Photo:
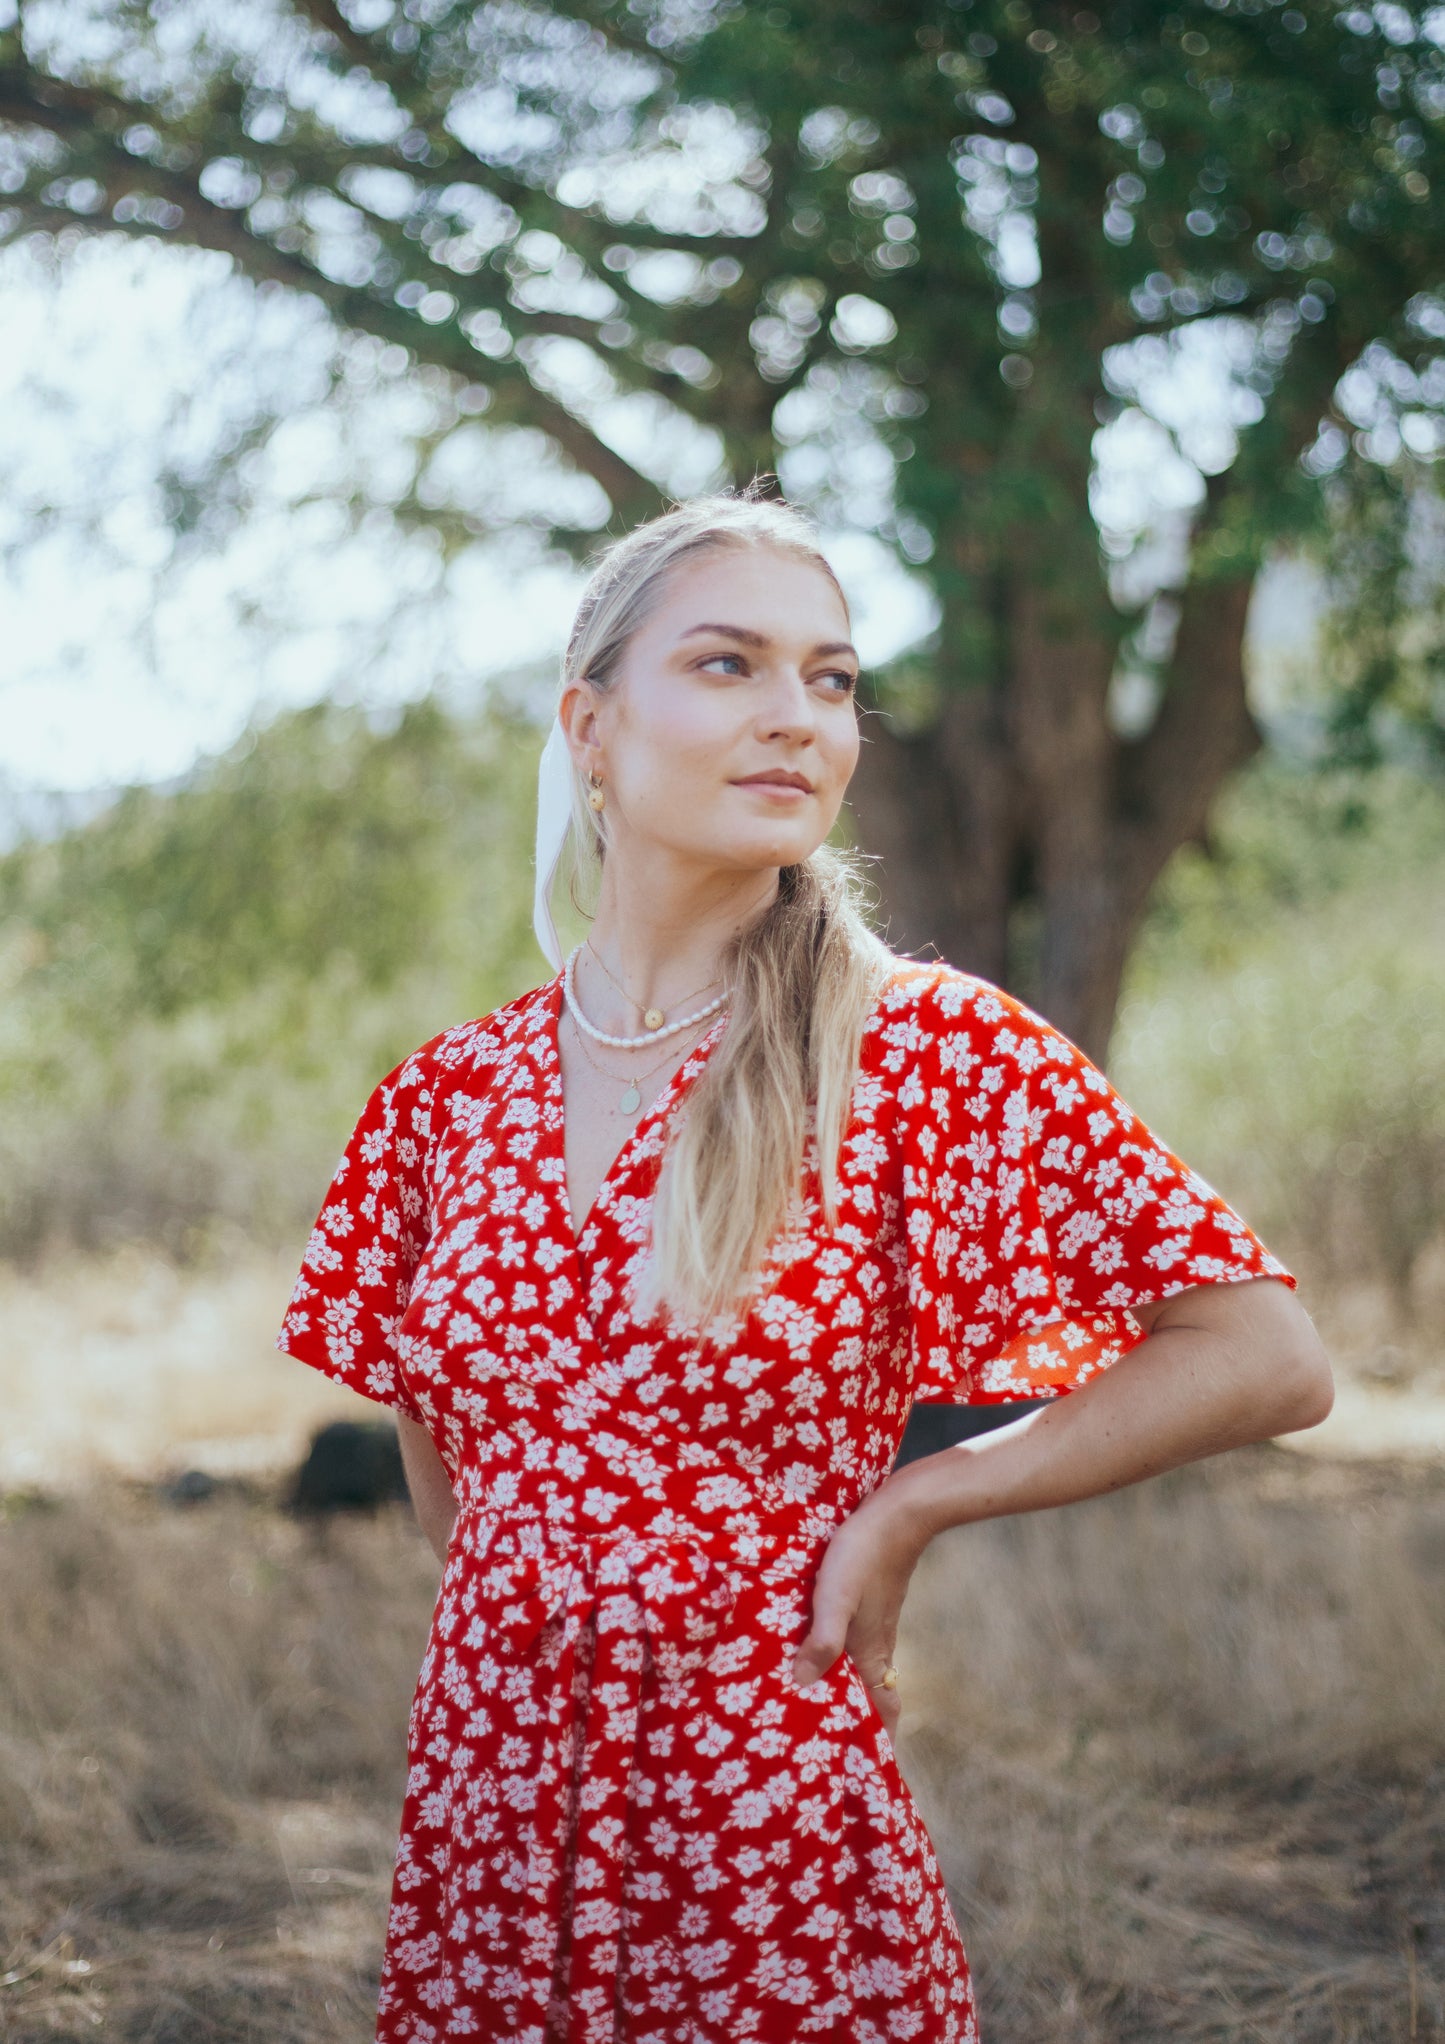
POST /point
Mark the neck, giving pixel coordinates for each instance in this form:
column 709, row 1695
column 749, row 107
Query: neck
column 662, row 934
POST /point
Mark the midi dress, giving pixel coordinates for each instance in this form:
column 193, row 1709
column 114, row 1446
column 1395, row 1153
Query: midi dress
column 624, row 1821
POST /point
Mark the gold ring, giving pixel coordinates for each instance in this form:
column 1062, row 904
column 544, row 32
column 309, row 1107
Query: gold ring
column 888, row 1679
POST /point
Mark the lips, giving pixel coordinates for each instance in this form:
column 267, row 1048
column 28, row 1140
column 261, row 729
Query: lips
column 777, row 780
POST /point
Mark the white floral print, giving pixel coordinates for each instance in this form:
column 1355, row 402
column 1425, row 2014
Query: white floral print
column 624, row 1823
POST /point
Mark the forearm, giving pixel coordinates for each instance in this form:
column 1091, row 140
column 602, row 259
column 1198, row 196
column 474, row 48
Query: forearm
column 1185, row 1392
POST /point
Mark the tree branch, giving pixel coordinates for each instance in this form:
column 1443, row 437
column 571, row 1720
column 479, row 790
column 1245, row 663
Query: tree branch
column 207, row 225
column 331, row 21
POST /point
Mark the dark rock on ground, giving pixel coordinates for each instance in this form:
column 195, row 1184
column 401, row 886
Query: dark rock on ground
column 351, row 1466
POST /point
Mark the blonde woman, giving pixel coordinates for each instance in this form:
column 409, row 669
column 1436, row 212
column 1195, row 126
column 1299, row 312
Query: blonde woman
column 650, row 1263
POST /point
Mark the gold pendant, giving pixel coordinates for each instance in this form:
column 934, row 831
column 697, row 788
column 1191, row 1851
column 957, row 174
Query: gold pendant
column 631, row 1099
column 654, row 1018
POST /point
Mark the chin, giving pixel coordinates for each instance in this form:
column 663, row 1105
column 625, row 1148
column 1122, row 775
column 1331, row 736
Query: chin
column 779, row 852
column 750, row 852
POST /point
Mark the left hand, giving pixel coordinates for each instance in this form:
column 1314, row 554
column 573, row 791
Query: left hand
column 858, row 1595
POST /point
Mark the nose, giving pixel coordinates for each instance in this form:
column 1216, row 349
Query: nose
column 788, row 710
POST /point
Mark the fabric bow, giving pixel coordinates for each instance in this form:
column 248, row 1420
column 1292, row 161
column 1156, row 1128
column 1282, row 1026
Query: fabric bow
column 673, row 1593
column 667, row 1598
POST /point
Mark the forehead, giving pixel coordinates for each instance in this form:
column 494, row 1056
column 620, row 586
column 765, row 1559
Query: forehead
column 761, row 588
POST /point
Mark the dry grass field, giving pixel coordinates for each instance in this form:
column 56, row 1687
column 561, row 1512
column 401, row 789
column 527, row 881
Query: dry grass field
column 130, row 1365
column 1182, row 1751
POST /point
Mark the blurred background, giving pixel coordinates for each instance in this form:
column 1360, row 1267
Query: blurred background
column 1108, row 348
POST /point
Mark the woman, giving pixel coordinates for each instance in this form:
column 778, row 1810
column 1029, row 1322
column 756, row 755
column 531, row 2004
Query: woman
column 650, row 1264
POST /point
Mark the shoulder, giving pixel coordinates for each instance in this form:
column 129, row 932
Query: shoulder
column 458, row 1054
column 929, row 1007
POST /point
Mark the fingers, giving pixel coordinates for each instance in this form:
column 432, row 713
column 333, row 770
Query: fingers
column 833, row 1609
column 887, row 1702
column 817, row 1653
column 855, row 1609
column 890, row 1707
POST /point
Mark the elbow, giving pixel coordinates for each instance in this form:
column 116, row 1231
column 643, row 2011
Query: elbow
column 1308, row 1387
column 1320, row 1400
column 1289, row 1359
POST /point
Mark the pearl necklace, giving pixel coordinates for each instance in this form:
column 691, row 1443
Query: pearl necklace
column 652, row 1018
column 629, row 1042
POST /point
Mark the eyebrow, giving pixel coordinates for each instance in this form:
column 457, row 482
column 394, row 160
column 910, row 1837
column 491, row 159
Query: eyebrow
column 746, row 637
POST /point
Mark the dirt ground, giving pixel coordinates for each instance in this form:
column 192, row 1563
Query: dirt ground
column 1182, row 1752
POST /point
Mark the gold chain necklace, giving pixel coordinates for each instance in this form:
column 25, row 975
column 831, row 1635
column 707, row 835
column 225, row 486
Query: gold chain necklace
column 632, row 1098
column 652, row 1018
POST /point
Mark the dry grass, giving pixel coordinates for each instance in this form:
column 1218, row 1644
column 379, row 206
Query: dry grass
column 201, row 1724
column 127, row 1365
column 1183, row 1753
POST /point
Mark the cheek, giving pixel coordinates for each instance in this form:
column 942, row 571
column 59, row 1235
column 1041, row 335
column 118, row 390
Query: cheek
column 841, row 748
column 682, row 748
column 676, row 772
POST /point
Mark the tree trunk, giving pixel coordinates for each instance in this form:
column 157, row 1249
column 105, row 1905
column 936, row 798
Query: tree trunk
column 1020, row 838
column 937, row 808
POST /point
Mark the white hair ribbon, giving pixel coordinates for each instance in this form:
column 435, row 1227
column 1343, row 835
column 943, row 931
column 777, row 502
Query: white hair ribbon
column 554, row 816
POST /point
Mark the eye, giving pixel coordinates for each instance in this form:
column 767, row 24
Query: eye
column 846, row 679
column 739, row 663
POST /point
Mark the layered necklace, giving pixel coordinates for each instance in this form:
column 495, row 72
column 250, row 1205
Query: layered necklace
column 632, row 1098
column 657, row 1023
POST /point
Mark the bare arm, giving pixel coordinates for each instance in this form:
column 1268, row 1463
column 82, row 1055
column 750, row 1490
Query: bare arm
column 428, row 1482
column 1221, row 1365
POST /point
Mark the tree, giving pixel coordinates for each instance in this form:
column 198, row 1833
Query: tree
column 918, row 259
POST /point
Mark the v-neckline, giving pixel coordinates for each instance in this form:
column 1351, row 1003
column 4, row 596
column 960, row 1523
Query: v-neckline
column 655, row 1111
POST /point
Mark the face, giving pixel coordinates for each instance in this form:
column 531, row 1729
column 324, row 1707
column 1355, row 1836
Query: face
column 730, row 734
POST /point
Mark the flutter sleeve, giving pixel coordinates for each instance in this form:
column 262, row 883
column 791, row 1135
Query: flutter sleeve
column 356, row 1275
column 1038, row 1206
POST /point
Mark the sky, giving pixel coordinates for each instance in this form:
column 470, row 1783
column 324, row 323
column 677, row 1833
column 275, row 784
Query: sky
column 127, row 652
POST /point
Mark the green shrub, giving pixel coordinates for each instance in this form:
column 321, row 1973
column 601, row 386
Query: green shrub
column 1284, row 1026
column 202, row 986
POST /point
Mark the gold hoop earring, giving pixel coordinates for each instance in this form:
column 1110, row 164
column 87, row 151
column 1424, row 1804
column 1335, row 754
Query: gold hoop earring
column 594, row 793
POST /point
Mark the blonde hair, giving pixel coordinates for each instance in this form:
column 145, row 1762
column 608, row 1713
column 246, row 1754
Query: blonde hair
column 803, row 975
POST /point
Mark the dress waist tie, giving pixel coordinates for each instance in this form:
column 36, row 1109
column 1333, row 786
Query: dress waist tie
column 626, row 1600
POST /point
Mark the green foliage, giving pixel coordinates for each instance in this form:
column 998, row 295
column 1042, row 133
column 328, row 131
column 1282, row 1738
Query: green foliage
column 1284, row 1026
column 1289, row 844
column 307, row 840
column 1384, row 639
column 911, row 255
column 203, row 986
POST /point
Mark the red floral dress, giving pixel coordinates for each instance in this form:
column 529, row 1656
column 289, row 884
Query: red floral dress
column 624, row 1822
